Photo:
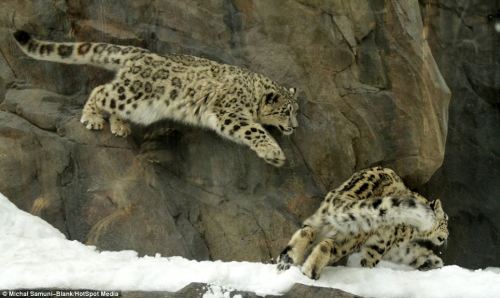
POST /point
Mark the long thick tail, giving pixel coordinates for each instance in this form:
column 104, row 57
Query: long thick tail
column 103, row 55
column 370, row 214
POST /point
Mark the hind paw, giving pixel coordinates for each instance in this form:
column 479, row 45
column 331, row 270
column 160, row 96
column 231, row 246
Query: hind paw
column 119, row 127
column 311, row 271
column 92, row 121
column 284, row 260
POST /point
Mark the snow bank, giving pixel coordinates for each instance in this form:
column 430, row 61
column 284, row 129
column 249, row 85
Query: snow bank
column 36, row 255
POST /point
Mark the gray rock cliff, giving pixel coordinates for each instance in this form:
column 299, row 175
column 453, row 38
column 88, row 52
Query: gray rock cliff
column 467, row 50
column 370, row 94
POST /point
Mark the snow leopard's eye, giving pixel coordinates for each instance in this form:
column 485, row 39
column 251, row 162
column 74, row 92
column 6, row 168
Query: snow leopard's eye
column 272, row 98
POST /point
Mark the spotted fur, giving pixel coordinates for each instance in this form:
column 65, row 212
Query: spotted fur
column 230, row 100
column 374, row 213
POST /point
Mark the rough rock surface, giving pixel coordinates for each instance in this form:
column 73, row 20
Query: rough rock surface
column 467, row 50
column 191, row 290
column 370, row 93
column 198, row 290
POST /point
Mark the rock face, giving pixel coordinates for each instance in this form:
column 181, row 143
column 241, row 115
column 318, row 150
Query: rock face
column 200, row 290
column 467, row 50
column 370, row 93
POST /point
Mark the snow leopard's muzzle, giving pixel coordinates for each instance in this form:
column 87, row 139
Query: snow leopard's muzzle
column 290, row 127
column 286, row 130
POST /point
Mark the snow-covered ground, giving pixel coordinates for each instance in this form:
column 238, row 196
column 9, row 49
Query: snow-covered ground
column 33, row 254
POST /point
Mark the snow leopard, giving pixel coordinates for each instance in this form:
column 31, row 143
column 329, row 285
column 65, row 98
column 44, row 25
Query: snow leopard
column 230, row 100
column 374, row 213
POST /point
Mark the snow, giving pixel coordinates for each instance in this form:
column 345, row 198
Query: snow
column 36, row 255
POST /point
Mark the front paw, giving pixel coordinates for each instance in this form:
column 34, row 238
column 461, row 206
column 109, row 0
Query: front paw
column 433, row 262
column 274, row 156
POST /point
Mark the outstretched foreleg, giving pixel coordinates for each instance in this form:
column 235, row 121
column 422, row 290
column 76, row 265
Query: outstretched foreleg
column 253, row 135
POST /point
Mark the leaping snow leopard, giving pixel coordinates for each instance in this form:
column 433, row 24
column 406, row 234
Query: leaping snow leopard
column 232, row 101
column 373, row 213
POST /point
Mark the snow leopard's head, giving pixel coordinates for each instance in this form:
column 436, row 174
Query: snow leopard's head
column 279, row 108
column 439, row 234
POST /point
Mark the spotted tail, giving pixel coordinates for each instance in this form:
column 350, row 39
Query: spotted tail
column 104, row 55
column 373, row 213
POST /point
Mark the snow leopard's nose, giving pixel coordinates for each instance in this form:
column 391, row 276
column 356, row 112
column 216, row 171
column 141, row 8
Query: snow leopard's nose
column 442, row 243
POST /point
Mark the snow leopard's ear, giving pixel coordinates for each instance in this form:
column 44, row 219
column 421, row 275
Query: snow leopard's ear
column 436, row 205
column 293, row 91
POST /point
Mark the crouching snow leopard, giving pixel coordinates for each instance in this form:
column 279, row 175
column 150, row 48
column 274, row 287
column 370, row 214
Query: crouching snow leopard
column 230, row 100
column 373, row 213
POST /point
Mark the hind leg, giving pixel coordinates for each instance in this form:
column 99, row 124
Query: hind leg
column 297, row 247
column 376, row 246
column 324, row 252
column 92, row 116
column 327, row 252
